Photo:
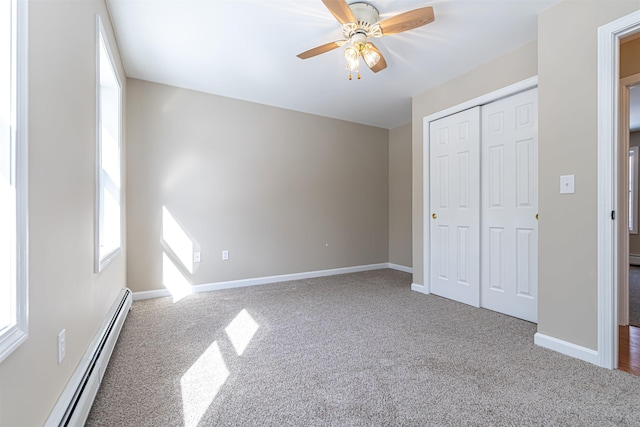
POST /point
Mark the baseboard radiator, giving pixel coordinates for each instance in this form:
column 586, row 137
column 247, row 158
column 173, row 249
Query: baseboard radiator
column 75, row 402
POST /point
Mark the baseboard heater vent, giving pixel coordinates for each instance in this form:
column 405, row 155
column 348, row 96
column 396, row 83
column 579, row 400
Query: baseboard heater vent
column 75, row 402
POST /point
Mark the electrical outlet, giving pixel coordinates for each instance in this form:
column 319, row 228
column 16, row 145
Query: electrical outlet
column 62, row 345
column 225, row 255
column 196, row 257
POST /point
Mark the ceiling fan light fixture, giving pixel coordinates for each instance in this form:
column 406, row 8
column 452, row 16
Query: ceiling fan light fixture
column 351, row 54
column 353, row 67
column 370, row 56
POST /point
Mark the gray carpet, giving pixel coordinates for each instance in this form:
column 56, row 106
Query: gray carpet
column 351, row 350
column 634, row 296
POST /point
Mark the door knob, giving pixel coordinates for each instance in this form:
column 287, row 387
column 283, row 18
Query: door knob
column 536, row 217
column 434, row 216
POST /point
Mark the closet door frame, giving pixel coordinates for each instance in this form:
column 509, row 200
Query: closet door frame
column 513, row 89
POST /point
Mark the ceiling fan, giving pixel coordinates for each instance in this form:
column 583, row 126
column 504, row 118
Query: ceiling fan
column 359, row 24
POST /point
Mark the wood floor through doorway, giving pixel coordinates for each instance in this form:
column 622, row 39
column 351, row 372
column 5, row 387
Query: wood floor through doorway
column 629, row 351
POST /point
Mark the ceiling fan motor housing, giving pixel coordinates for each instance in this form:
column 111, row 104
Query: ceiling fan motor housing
column 364, row 13
column 366, row 20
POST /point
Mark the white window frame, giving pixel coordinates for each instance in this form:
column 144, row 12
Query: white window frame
column 16, row 332
column 633, row 190
column 102, row 260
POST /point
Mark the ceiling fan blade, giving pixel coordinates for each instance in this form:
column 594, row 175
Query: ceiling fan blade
column 381, row 64
column 407, row 21
column 320, row 49
column 341, row 10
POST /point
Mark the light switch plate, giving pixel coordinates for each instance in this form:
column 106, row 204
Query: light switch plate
column 567, row 184
column 196, row 257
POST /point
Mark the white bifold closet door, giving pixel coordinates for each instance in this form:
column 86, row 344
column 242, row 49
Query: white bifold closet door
column 454, row 172
column 509, row 236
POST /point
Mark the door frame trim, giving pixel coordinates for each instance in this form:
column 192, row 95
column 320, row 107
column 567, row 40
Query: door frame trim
column 609, row 36
column 504, row 92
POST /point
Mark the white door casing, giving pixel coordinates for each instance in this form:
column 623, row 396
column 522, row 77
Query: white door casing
column 455, row 203
column 509, row 205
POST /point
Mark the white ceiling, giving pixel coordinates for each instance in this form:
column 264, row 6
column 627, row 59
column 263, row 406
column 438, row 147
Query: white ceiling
column 246, row 49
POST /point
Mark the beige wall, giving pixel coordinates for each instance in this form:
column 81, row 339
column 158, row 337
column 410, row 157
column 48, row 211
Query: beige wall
column 284, row 192
column 634, row 239
column 64, row 293
column 400, row 196
column 508, row 69
column 630, row 57
column 567, row 69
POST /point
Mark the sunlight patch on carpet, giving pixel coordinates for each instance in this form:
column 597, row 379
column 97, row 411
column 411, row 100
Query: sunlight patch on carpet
column 201, row 383
column 240, row 331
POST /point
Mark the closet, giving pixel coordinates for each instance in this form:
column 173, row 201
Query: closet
column 483, row 196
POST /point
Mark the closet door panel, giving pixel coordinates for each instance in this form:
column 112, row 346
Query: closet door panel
column 454, row 174
column 510, row 205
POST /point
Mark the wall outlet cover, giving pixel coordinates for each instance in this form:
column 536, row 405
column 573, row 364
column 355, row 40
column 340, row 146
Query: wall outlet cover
column 567, row 184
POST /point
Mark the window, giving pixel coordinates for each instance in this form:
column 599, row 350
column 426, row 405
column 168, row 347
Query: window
column 633, row 190
column 13, row 174
column 108, row 194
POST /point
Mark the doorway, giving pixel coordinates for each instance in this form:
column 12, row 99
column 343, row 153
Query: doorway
column 629, row 286
column 609, row 235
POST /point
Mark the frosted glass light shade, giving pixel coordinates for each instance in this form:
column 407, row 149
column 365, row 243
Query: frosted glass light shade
column 352, row 55
column 370, row 56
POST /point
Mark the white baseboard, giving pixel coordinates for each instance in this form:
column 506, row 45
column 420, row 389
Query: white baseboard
column 73, row 405
column 206, row 287
column 158, row 293
column 634, row 259
column 420, row 288
column 401, row 268
column 567, row 348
